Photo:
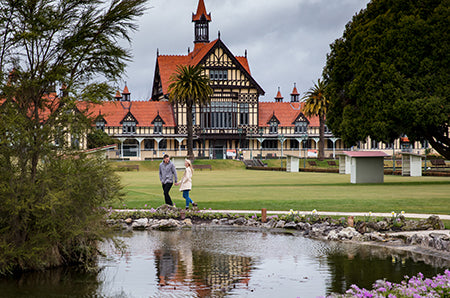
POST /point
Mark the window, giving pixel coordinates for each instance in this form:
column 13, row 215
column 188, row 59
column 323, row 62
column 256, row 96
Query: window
column 193, row 115
column 327, row 130
column 301, row 127
column 218, row 74
column 163, row 144
column 100, row 125
column 157, row 129
column 149, row 144
column 270, row 144
column 273, row 129
column 243, row 114
column 294, row 144
column 219, row 115
column 129, row 127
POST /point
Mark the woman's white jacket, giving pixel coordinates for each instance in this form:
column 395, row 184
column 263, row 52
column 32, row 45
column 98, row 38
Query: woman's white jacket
column 186, row 180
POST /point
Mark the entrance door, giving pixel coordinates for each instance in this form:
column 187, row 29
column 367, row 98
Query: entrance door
column 219, row 146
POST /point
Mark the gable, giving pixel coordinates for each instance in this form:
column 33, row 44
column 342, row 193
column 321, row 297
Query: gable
column 129, row 118
column 220, row 56
column 158, row 119
column 210, row 54
column 301, row 118
column 273, row 119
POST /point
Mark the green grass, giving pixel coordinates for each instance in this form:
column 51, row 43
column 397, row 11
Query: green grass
column 237, row 188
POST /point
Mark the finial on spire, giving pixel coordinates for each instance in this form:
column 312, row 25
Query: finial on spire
column 218, row 34
column 245, row 53
column 157, row 52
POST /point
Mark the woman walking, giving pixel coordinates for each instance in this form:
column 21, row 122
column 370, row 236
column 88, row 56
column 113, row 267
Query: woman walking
column 186, row 183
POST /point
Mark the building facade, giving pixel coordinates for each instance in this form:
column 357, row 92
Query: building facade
column 235, row 124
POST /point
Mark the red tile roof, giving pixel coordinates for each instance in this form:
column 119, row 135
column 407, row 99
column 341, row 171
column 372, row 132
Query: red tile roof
column 125, row 90
column 286, row 113
column 201, row 11
column 168, row 63
column 144, row 112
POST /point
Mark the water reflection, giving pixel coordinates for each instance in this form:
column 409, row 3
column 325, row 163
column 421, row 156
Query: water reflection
column 219, row 263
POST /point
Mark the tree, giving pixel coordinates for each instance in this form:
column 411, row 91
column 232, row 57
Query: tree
column 49, row 191
column 189, row 86
column 98, row 138
column 316, row 104
column 388, row 75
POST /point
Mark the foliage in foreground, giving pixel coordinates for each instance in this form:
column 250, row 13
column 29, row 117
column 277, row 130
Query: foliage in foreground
column 55, row 221
column 415, row 287
column 50, row 193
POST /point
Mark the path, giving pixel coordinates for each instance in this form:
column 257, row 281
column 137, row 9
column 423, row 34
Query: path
column 375, row 214
column 326, row 213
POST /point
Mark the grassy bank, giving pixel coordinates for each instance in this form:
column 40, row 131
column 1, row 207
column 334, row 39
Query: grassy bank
column 230, row 186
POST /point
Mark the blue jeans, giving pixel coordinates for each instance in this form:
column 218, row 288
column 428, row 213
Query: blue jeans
column 187, row 198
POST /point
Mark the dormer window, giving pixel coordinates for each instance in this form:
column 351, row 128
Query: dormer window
column 129, row 127
column 158, row 124
column 157, row 127
column 273, row 124
column 129, row 124
column 100, row 124
column 301, row 127
column 273, row 127
column 301, row 124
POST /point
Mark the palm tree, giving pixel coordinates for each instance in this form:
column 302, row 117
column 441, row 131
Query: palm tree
column 189, row 86
column 316, row 104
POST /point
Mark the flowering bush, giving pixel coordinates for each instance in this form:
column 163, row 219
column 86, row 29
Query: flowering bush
column 415, row 287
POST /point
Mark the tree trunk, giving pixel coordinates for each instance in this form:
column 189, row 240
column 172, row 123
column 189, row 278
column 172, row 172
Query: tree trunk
column 321, row 137
column 440, row 147
column 190, row 132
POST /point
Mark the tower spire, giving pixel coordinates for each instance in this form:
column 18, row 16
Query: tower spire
column 278, row 98
column 201, row 20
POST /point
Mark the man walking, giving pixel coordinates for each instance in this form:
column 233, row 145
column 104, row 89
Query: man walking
column 167, row 172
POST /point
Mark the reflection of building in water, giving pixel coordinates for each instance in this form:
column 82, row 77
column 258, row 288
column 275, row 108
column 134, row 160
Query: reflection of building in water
column 220, row 272
column 205, row 273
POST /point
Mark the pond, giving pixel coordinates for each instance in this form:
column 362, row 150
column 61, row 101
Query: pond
column 206, row 262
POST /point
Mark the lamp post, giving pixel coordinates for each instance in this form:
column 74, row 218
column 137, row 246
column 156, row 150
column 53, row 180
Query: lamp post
column 282, row 139
column 238, row 153
column 261, row 130
column 304, row 140
column 239, row 132
column 203, row 132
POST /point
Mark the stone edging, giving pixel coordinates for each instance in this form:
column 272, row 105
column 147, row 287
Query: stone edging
column 431, row 241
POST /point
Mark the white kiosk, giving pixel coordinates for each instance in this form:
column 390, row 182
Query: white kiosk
column 178, row 162
column 292, row 163
column 344, row 164
column 366, row 166
column 411, row 164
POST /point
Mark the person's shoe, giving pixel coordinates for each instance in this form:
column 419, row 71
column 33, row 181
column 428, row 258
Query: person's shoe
column 187, row 208
column 194, row 204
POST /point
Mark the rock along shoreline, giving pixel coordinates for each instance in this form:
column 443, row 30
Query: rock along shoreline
column 426, row 236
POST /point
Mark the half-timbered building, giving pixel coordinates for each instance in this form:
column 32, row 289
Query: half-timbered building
column 234, row 121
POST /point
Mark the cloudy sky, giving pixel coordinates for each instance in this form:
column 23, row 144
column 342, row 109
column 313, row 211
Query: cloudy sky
column 286, row 41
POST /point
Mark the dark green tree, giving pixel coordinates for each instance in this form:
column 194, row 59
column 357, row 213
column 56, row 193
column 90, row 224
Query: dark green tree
column 316, row 104
column 388, row 75
column 98, row 138
column 190, row 86
column 50, row 192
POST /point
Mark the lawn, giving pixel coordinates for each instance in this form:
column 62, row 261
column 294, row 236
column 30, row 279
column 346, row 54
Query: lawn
column 233, row 187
